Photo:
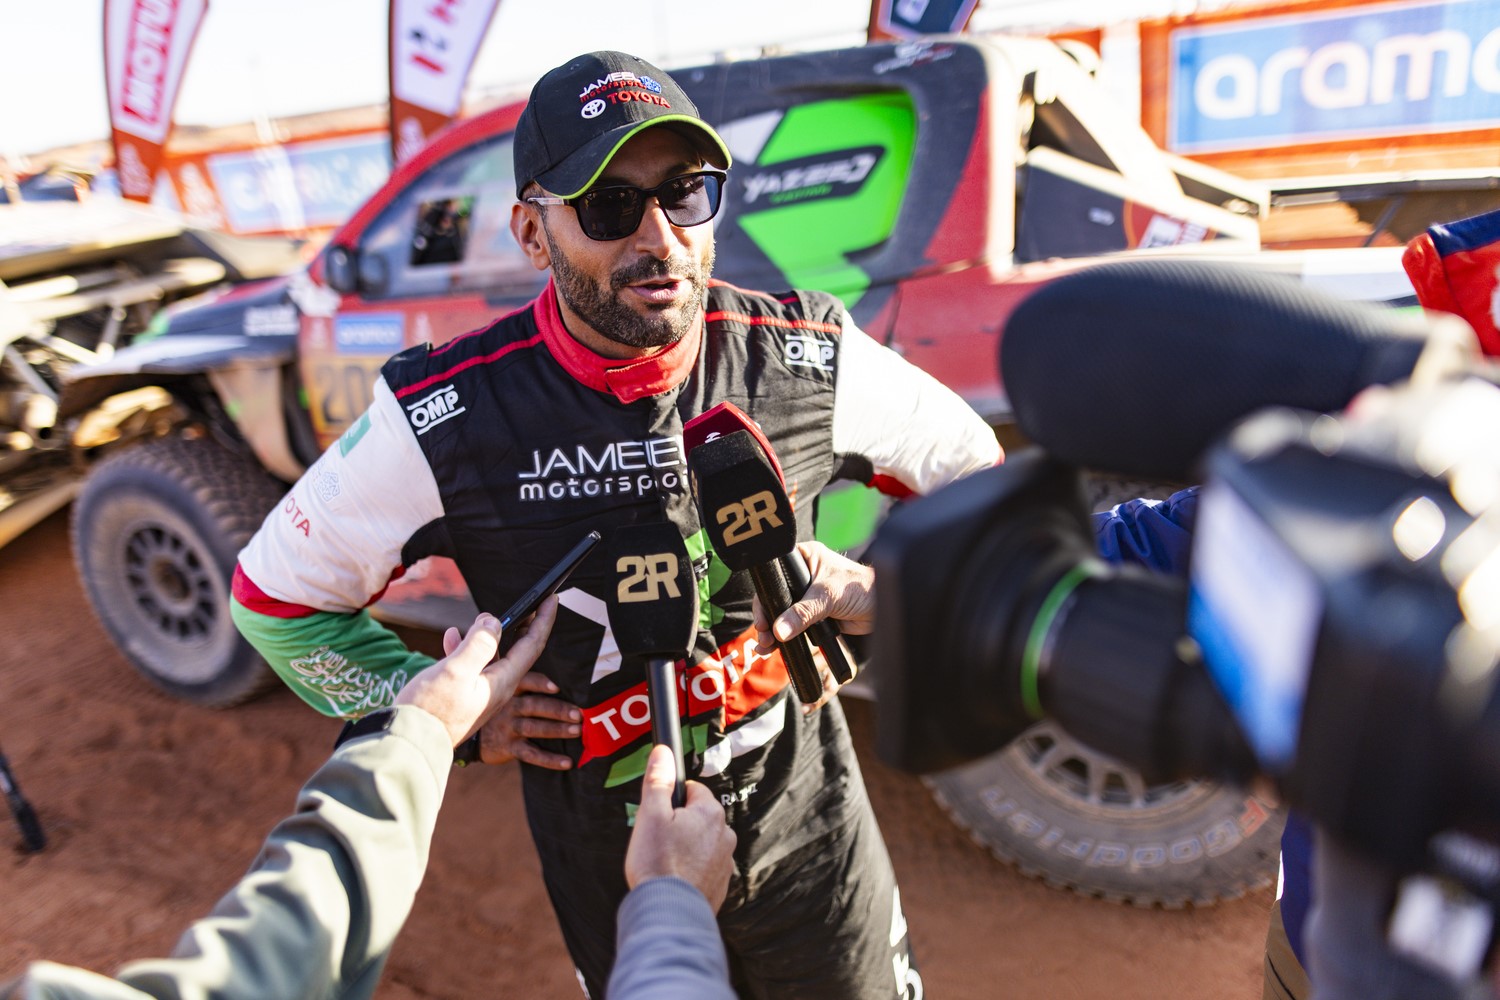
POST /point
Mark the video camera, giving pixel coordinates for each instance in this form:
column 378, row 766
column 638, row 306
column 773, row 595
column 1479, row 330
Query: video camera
column 1339, row 632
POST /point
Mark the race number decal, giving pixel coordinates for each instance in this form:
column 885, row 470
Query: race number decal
column 339, row 389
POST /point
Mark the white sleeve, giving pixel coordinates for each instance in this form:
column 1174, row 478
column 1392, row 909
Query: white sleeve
column 336, row 537
column 909, row 425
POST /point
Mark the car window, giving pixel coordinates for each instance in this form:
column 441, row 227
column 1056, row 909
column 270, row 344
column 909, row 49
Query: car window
column 449, row 231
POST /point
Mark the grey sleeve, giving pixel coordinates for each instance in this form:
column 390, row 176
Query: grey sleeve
column 667, row 946
column 318, row 911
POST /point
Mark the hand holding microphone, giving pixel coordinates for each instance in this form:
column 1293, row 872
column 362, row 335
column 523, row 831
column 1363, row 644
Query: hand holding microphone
column 653, row 612
column 842, row 592
column 749, row 519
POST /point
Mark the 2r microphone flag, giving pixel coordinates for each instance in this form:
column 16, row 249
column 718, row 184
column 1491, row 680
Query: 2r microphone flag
column 146, row 48
column 653, row 612
column 433, row 44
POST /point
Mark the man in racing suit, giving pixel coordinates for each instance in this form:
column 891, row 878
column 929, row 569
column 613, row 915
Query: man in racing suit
column 503, row 447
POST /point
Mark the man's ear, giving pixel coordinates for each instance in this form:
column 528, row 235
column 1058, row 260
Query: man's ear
column 526, row 227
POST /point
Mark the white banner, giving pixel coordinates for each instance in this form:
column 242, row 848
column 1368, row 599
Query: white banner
column 146, row 46
column 433, row 45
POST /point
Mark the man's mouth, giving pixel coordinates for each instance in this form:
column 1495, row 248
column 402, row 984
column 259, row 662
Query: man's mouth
column 658, row 291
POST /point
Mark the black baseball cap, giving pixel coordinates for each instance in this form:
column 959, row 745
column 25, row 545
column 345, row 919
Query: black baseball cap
column 582, row 112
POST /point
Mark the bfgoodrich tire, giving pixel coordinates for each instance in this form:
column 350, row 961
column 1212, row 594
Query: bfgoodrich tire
column 156, row 531
column 1065, row 813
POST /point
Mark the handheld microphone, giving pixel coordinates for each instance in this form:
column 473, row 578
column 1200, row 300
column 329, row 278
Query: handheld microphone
column 724, row 419
column 653, row 612
column 750, row 525
column 1136, row 367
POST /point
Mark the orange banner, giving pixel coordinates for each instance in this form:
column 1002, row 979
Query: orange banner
column 433, row 44
column 146, row 47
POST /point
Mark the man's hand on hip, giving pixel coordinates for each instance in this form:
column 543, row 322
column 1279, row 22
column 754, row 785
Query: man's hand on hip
column 532, row 715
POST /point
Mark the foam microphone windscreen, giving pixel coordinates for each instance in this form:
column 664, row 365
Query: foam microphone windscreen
column 1136, row 367
column 726, row 418
column 743, row 505
column 653, row 601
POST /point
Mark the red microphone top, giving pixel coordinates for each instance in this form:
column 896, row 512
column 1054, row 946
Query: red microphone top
column 726, row 418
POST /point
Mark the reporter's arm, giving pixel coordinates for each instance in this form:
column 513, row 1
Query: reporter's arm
column 667, row 945
column 320, row 908
column 318, row 911
column 678, row 864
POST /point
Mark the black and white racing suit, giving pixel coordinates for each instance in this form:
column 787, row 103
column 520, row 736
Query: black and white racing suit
column 500, row 450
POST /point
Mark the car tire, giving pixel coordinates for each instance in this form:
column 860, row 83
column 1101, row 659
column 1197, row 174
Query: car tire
column 1064, row 813
column 157, row 529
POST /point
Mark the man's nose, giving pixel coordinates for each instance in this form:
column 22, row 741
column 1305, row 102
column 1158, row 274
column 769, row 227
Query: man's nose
column 655, row 235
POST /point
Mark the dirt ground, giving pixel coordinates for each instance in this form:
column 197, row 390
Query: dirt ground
column 155, row 807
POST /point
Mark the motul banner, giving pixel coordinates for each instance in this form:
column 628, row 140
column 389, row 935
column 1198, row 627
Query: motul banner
column 891, row 19
column 433, row 45
column 146, row 46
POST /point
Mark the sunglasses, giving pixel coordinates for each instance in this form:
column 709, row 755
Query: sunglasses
column 614, row 211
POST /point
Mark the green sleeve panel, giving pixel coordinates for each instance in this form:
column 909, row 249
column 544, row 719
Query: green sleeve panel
column 343, row 665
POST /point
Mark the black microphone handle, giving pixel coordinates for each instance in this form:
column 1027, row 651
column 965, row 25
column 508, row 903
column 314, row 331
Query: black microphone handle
column 824, row 633
column 775, row 597
column 666, row 726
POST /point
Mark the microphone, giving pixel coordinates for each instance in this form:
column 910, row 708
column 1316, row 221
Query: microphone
column 742, row 496
column 653, row 612
column 726, row 418
column 1136, row 367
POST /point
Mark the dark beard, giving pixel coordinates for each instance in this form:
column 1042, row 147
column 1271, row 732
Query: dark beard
column 602, row 309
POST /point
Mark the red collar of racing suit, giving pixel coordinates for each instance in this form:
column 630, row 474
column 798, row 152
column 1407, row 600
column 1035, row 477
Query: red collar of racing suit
column 627, row 381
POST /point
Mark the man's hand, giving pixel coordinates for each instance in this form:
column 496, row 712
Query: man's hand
column 467, row 686
column 530, row 716
column 693, row 843
column 841, row 589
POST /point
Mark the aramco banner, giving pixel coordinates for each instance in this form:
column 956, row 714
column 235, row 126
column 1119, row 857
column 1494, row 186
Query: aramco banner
column 1351, row 73
column 891, row 19
column 433, row 44
column 146, row 46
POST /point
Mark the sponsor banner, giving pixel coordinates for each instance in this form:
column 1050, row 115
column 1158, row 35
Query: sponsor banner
column 1357, row 72
column 296, row 187
column 432, row 48
column 892, row 19
column 738, row 679
column 146, row 46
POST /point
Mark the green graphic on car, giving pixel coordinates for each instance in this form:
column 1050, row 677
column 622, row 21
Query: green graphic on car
column 828, row 184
